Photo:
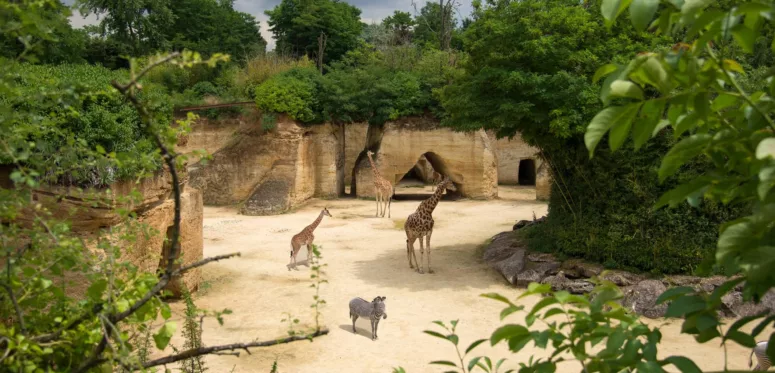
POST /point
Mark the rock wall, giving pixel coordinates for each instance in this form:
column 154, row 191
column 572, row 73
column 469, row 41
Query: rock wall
column 467, row 158
column 92, row 212
column 510, row 152
column 543, row 182
column 212, row 135
column 270, row 172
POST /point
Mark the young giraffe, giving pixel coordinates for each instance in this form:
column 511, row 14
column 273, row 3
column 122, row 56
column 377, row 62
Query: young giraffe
column 420, row 224
column 383, row 189
column 305, row 237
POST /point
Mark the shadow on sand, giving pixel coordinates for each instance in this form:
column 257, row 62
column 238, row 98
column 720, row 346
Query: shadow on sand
column 361, row 331
column 454, row 266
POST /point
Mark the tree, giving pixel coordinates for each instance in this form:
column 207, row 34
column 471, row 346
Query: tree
column 138, row 24
column 297, row 24
column 401, row 24
column 211, row 26
column 47, row 324
column 60, row 43
column 436, row 24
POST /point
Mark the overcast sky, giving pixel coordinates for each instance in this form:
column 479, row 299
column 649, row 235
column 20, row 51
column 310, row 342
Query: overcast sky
column 371, row 11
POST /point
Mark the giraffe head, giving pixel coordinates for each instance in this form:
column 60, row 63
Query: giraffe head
column 325, row 212
column 447, row 183
column 369, row 153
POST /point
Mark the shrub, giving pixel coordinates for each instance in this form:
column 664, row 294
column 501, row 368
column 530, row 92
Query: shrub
column 203, row 89
column 294, row 92
column 259, row 69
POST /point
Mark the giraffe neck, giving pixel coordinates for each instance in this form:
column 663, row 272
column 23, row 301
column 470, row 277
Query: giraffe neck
column 316, row 222
column 430, row 203
column 373, row 167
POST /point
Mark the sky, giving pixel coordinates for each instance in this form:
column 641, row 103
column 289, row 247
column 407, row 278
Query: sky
column 371, row 11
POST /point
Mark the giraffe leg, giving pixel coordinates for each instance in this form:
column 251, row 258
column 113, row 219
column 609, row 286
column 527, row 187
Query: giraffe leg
column 422, row 257
column 409, row 253
column 309, row 253
column 428, row 247
column 376, row 197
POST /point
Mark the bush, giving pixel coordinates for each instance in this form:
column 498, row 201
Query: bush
column 96, row 117
column 259, row 69
column 203, row 89
column 294, row 92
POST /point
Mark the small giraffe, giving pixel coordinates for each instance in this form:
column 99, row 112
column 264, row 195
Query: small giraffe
column 305, row 237
column 420, row 224
column 383, row 189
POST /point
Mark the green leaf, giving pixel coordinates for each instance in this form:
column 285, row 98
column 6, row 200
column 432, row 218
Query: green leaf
column 474, row 344
column 435, row 334
column 654, row 73
column 683, row 364
column 648, row 367
column 122, row 305
column 743, row 339
column 443, row 362
column 642, row 12
column 760, row 327
column 644, row 126
column 548, row 301
column 706, row 18
column 745, row 37
column 473, row 362
column 692, row 7
column 163, row 336
column 453, row 338
column 618, row 135
column 681, row 153
column 509, row 310
column 685, row 305
column 674, row 293
column 611, row 9
column 766, row 148
column 604, row 71
column 733, row 238
column 96, row 289
column 626, row 88
column 166, row 312
column 604, row 120
column 723, row 101
column 675, row 196
column 507, row 332
column 497, row 297
column 733, row 65
column 685, row 123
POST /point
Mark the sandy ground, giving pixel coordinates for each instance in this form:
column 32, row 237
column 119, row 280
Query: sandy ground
column 366, row 257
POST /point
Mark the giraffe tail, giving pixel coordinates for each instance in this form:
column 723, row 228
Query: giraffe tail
column 390, row 199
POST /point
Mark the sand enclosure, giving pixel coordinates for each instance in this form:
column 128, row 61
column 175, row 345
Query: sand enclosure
column 366, row 257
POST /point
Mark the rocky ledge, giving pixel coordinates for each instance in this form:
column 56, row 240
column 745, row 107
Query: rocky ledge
column 507, row 254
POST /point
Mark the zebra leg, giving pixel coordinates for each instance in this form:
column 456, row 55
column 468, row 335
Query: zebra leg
column 355, row 317
column 376, row 327
column 373, row 330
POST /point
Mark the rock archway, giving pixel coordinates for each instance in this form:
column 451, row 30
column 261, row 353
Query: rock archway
column 467, row 158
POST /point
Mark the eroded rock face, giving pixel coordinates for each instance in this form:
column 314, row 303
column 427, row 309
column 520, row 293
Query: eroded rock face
column 93, row 212
column 271, row 172
column 543, row 182
column 509, row 153
column 467, row 158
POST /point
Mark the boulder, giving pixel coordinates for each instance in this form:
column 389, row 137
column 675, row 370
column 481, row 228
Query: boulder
column 560, row 282
column 536, row 272
column 734, row 306
column 512, row 266
column 505, row 254
column 681, row 280
column 577, row 268
column 521, row 224
column 622, row 278
column 642, row 298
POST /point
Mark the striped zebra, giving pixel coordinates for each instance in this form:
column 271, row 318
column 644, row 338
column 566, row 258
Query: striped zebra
column 374, row 310
column 762, row 360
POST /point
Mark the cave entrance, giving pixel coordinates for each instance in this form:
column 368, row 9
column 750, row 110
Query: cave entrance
column 419, row 182
column 526, row 174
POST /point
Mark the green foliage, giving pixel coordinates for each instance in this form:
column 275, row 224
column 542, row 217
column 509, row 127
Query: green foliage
column 294, row 92
column 297, row 24
column 428, row 25
column 400, row 25
column 262, row 67
column 193, row 336
column 91, row 115
column 60, row 43
column 211, row 26
column 712, row 118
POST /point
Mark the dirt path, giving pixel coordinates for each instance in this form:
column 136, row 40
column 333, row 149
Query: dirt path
column 366, row 257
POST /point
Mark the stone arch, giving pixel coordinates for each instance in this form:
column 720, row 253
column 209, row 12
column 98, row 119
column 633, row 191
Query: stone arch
column 526, row 172
column 468, row 158
column 437, row 164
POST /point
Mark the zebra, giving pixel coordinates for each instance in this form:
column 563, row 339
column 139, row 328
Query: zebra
column 762, row 360
column 375, row 310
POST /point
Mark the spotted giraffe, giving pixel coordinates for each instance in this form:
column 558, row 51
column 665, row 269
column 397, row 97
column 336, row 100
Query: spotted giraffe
column 305, row 237
column 420, row 224
column 383, row 189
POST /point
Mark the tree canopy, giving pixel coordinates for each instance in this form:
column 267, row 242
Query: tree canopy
column 297, row 25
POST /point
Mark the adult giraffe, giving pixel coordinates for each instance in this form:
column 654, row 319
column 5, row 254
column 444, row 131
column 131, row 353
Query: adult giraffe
column 383, row 189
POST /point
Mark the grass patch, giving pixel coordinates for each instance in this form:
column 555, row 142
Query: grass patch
column 399, row 224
